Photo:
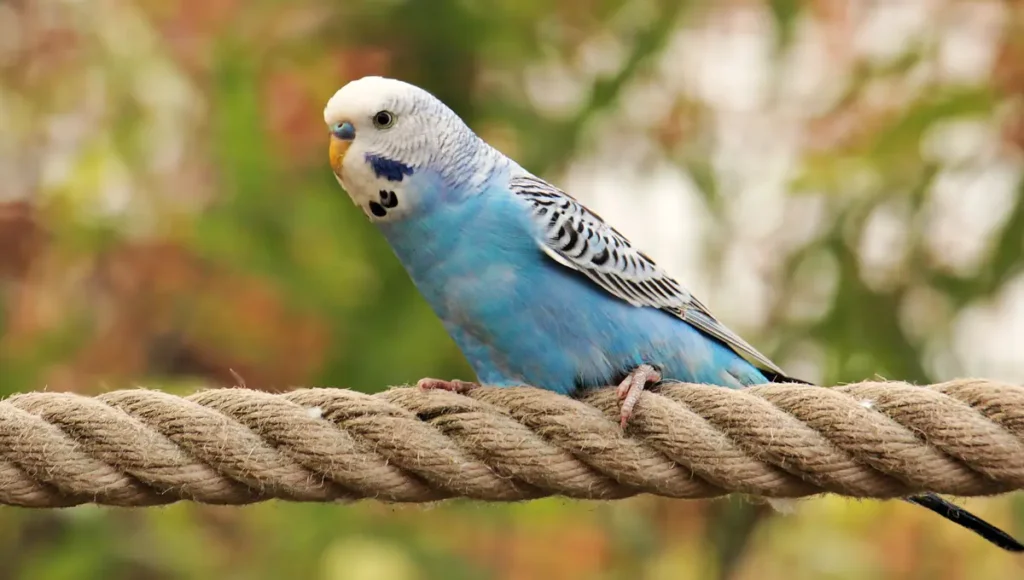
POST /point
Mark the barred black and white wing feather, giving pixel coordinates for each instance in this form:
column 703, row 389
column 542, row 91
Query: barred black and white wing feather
column 579, row 239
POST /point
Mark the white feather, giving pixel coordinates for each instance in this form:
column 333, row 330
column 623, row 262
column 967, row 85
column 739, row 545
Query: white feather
column 425, row 134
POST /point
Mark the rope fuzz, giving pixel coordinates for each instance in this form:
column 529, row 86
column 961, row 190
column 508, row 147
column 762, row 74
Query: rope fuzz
column 238, row 446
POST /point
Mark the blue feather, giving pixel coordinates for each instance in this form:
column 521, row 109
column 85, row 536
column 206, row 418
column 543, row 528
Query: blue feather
column 388, row 168
column 521, row 318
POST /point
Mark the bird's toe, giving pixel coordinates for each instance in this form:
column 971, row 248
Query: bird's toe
column 632, row 387
column 454, row 385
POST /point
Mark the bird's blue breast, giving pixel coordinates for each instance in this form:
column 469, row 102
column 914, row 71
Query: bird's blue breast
column 519, row 317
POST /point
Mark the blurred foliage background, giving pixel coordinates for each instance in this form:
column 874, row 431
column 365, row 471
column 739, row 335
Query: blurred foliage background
column 841, row 182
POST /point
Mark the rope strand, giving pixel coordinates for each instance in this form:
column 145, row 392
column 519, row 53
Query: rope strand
column 237, row 446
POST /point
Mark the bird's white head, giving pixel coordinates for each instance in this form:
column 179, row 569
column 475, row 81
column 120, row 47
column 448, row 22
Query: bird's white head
column 384, row 132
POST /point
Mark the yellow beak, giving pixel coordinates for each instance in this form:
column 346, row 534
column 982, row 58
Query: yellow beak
column 337, row 152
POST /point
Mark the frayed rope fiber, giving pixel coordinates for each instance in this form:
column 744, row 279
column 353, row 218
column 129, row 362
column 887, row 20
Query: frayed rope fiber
column 239, row 446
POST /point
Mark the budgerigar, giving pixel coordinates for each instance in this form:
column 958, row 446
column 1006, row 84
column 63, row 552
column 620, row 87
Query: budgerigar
column 534, row 288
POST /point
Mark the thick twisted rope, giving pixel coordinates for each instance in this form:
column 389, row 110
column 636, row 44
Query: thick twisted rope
column 237, row 446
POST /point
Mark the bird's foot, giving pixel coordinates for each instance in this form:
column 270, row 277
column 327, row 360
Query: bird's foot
column 632, row 387
column 454, row 385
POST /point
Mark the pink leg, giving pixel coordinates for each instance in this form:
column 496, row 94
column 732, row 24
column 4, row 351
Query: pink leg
column 455, row 385
column 632, row 387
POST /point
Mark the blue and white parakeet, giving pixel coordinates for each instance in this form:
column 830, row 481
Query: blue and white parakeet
column 534, row 288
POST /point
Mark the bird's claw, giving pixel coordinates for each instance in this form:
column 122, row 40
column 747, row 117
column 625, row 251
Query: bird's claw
column 454, row 385
column 632, row 387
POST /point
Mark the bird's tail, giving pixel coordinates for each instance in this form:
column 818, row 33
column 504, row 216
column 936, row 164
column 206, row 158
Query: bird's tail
column 962, row 517
column 948, row 510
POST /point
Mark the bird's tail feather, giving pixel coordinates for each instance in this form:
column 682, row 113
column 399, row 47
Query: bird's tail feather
column 962, row 517
column 775, row 377
column 948, row 510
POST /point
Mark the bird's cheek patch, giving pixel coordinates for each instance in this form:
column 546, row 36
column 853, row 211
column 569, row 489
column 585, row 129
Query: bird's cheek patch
column 388, row 169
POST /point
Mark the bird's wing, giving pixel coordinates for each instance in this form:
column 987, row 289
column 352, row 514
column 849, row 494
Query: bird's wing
column 578, row 238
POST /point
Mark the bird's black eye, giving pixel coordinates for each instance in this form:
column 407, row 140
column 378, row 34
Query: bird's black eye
column 383, row 120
